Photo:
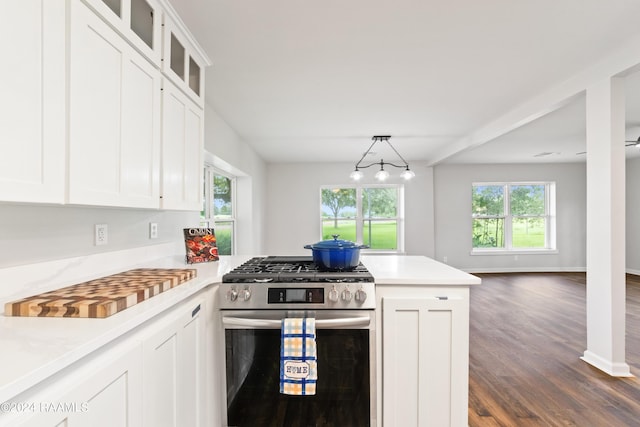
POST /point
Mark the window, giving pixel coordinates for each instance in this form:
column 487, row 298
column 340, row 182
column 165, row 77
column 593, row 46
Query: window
column 218, row 208
column 513, row 216
column 371, row 215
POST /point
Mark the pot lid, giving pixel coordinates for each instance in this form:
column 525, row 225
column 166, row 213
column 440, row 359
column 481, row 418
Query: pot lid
column 335, row 244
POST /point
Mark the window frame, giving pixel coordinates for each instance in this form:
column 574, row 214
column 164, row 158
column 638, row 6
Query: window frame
column 360, row 218
column 549, row 216
column 209, row 219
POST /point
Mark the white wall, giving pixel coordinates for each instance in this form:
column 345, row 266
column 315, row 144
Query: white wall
column 32, row 233
column 231, row 154
column 633, row 216
column 453, row 216
column 293, row 206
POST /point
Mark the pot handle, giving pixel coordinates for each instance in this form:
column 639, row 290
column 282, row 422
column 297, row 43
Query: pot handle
column 308, row 247
column 363, row 247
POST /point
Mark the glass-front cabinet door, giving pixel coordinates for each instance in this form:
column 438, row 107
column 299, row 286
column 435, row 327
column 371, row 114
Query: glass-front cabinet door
column 183, row 61
column 138, row 21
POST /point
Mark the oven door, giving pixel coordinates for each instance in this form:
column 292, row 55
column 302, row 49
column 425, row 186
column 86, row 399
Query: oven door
column 345, row 391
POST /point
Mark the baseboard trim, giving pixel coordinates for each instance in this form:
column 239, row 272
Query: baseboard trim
column 536, row 270
column 615, row 369
column 525, row 270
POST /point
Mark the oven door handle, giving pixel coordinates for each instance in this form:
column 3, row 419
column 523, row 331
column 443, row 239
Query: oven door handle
column 275, row 324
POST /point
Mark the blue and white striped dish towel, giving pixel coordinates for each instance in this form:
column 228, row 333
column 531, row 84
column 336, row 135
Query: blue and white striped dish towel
column 298, row 356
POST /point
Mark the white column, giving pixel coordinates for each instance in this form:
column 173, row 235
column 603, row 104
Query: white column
column 606, row 227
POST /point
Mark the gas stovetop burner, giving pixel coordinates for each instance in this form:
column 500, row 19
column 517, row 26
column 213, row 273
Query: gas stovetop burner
column 288, row 269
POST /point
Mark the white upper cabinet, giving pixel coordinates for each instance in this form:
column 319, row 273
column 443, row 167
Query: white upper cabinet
column 182, row 150
column 138, row 21
column 183, row 61
column 32, row 115
column 81, row 118
column 114, row 118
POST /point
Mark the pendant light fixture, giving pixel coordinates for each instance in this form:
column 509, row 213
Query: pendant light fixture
column 382, row 174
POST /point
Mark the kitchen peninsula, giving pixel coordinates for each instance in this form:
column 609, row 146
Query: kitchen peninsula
column 116, row 369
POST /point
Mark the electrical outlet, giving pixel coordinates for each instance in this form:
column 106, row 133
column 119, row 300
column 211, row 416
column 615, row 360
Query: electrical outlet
column 153, row 230
column 101, row 234
column 445, row 259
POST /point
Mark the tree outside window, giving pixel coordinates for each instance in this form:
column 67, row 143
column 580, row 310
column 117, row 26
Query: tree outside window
column 380, row 211
column 512, row 216
column 528, row 212
column 223, row 213
column 363, row 214
column 218, row 208
column 488, row 216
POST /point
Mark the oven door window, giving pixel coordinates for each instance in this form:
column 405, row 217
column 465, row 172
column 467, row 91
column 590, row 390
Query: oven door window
column 253, row 367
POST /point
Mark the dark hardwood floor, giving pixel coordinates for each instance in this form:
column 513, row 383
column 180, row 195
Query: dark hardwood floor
column 527, row 334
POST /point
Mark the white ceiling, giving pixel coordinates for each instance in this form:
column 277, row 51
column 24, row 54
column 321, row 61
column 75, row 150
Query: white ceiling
column 314, row 81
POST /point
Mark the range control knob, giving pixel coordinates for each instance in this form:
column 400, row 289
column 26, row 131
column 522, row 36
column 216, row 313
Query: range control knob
column 361, row 295
column 232, row 294
column 347, row 295
column 245, row 295
column 333, row 294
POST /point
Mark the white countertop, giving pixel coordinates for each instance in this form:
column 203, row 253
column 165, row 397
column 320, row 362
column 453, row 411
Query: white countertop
column 34, row 348
column 414, row 270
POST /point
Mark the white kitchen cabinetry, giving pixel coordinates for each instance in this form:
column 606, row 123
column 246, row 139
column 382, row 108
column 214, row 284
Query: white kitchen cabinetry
column 155, row 375
column 183, row 61
column 174, row 369
column 425, row 336
column 138, row 21
column 114, row 114
column 182, row 148
column 105, row 391
column 81, row 108
column 32, row 117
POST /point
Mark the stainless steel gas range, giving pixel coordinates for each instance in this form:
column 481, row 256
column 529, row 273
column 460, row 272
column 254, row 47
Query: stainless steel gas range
column 286, row 282
column 255, row 298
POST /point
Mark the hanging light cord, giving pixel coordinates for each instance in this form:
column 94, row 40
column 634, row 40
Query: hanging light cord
column 367, row 152
column 396, row 151
column 381, row 162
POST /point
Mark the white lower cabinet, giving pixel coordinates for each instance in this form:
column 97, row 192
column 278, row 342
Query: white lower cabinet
column 155, row 376
column 105, row 392
column 174, row 370
column 425, row 347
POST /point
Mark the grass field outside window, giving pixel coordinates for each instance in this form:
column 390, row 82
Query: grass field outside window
column 383, row 234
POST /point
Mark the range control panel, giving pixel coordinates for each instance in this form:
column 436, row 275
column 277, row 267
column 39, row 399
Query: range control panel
column 348, row 296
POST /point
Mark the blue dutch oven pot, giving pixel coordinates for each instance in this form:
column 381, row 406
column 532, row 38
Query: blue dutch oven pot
column 336, row 254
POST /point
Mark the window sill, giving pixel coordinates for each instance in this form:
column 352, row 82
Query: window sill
column 381, row 252
column 513, row 252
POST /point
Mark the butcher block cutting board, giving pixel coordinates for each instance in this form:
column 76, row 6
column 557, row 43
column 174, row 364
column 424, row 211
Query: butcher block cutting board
column 101, row 297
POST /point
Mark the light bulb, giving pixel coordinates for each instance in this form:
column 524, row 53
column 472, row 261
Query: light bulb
column 356, row 175
column 407, row 174
column 382, row 175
